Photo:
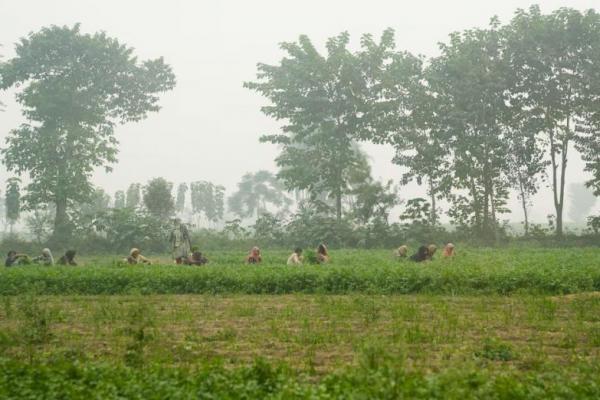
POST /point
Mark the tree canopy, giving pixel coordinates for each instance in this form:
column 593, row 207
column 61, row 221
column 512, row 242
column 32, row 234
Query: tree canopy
column 74, row 88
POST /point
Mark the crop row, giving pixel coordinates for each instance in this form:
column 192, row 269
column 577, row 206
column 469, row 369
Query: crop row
column 481, row 272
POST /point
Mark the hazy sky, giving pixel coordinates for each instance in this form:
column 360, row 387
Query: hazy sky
column 209, row 125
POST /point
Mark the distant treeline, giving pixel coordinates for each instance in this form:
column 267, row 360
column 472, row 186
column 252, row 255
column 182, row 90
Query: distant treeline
column 498, row 111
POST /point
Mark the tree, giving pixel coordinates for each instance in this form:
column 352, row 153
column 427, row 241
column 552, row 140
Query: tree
column 526, row 163
column 98, row 202
column 39, row 223
column 322, row 101
column 374, row 200
column 158, row 198
column 468, row 82
column 582, row 201
column 74, row 89
column 134, row 195
column 208, row 199
column 255, row 192
column 552, row 58
column 181, row 192
column 119, row 199
column 12, row 201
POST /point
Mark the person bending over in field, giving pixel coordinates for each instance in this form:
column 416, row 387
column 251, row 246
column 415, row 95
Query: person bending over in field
column 180, row 241
column 68, row 258
column 296, row 257
column 254, row 257
column 45, row 258
column 421, row 255
column 136, row 257
column 431, row 249
column 448, row 251
column 322, row 254
column 197, row 258
column 13, row 259
column 401, row 252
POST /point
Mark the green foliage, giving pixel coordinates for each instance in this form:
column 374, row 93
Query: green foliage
column 180, row 200
column 119, row 229
column 481, row 271
column 74, row 89
column 12, row 201
column 496, row 350
column 255, row 193
column 208, row 199
column 323, row 101
column 158, row 199
column 262, row 380
column 119, row 199
column 40, row 223
column 134, row 195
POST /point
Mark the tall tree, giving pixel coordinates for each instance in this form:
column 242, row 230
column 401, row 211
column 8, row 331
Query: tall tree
column 255, row 193
column 552, row 57
column 468, row 81
column 74, row 89
column 12, row 201
column 180, row 201
column 321, row 100
column 134, row 195
column 98, row 202
column 526, row 163
column 119, row 199
column 158, row 198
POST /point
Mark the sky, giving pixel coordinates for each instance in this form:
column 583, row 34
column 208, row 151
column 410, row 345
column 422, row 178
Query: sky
column 209, row 125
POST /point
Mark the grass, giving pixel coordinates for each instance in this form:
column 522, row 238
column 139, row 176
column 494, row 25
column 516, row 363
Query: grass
column 317, row 334
column 488, row 324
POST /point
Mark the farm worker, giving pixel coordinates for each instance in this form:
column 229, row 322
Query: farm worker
column 431, row 249
column 401, row 252
column 296, row 257
column 323, row 254
column 45, row 258
column 180, row 241
column 135, row 257
column 13, row 258
column 448, row 251
column 68, row 258
column 421, row 255
column 254, row 257
column 196, row 258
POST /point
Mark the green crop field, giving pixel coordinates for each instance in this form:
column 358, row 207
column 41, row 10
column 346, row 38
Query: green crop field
column 509, row 323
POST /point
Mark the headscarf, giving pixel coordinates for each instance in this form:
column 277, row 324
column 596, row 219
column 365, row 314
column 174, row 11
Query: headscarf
column 48, row 255
column 431, row 249
column 322, row 249
column 255, row 252
column 402, row 251
column 448, row 250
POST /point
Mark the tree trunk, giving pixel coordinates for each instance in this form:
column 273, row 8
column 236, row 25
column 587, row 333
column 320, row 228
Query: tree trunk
column 433, row 216
column 61, row 219
column 524, row 205
column 338, row 204
column 558, row 187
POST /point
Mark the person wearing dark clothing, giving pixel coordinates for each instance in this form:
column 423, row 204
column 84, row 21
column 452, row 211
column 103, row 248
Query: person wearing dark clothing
column 421, row 255
column 14, row 259
column 196, row 259
column 68, row 258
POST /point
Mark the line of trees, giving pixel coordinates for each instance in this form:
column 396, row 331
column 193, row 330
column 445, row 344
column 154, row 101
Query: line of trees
column 499, row 109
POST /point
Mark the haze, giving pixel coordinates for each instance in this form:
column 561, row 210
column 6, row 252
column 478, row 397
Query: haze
column 209, row 126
